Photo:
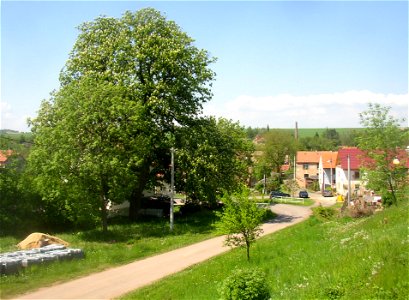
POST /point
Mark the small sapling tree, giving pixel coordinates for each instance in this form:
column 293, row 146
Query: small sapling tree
column 291, row 186
column 240, row 220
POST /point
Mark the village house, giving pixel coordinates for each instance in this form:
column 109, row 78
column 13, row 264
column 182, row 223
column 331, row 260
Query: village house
column 315, row 167
column 4, row 156
column 306, row 170
column 326, row 169
column 355, row 157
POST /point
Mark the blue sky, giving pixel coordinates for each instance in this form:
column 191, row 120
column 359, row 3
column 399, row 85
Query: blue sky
column 318, row 63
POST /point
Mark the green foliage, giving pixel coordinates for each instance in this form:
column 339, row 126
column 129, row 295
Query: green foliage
column 213, row 155
column 291, row 186
column 331, row 134
column 245, row 284
column 20, row 207
column 272, row 184
column 240, row 220
column 126, row 84
column 317, row 143
column 334, row 292
column 19, row 143
column 278, row 145
column 324, row 213
column 382, row 141
column 81, row 154
column 364, row 258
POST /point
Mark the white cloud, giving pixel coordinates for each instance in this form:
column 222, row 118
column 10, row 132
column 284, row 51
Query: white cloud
column 334, row 110
column 9, row 119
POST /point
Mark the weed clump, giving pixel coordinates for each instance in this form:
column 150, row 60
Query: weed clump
column 324, row 213
column 245, row 284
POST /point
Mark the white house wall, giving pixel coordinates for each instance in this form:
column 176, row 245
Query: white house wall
column 342, row 181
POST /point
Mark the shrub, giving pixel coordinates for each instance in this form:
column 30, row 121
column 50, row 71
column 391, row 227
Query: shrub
column 324, row 213
column 334, row 292
column 245, row 284
column 359, row 211
column 190, row 207
column 268, row 215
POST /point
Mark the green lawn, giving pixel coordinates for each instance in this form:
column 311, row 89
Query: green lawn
column 364, row 258
column 294, row 201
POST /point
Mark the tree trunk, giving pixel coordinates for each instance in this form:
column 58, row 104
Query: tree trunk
column 248, row 249
column 142, row 175
column 103, row 201
column 392, row 190
column 104, row 216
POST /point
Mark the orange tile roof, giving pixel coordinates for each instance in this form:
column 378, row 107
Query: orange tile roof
column 285, row 168
column 4, row 154
column 329, row 158
column 308, row 157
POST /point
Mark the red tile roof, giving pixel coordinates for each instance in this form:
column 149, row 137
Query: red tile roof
column 355, row 157
column 358, row 158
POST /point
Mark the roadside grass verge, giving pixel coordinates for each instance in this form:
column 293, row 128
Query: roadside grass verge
column 294, row 201
column 124, row 242
column 321, row 258
column 285, row 200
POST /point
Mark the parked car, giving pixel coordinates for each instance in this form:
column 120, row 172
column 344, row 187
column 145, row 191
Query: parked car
column 278, row 194
column 327, row 193
column 303, row 194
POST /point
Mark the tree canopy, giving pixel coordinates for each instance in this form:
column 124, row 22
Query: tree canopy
column 212, row 156
column 383, row 142
column 278, row 148
column 127, row 84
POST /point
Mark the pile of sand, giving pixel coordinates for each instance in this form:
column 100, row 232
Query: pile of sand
column 37, row 240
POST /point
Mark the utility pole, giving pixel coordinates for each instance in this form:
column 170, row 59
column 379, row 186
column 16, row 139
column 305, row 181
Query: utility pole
column 172, row 184
column 264, row 183
column 296, row 131
column 330, row 161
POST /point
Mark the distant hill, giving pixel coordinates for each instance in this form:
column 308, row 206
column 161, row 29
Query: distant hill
column 8, row 131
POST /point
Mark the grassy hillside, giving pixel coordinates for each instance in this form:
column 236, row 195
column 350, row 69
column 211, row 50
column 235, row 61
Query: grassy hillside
column 345, row 258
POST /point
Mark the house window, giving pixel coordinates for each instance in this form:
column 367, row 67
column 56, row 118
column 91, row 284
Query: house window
column 306, row 175
column 356, row 174
column 305, row 166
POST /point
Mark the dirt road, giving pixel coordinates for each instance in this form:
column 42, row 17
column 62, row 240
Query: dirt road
column 120, row 280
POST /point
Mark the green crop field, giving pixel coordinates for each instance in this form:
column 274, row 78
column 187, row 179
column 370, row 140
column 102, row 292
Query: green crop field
column 310, row 132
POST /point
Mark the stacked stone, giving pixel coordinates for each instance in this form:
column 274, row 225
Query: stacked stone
column 13, row 262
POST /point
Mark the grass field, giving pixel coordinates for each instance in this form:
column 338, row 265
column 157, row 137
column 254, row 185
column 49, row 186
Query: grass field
column 364, row 258
column 304, row 132
column 310, row 132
